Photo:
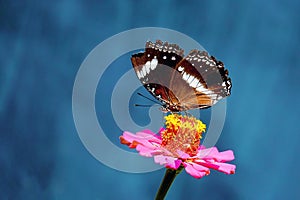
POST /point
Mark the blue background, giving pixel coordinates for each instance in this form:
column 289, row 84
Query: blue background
column 42, row 45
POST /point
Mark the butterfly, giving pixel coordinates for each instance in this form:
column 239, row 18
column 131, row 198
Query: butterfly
column 180, row 82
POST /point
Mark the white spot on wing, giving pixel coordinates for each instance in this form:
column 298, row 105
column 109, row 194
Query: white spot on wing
column 180, row 68
column 185, row 76
column 191, row 78
column 146, row 68
column 154, row 63
column 194, row 83
column 206, row 91
column 142, row 73
column 139, row 74
column 199, row 85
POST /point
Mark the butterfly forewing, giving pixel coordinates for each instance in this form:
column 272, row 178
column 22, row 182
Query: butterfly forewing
column 206, row 77
column 155, row 66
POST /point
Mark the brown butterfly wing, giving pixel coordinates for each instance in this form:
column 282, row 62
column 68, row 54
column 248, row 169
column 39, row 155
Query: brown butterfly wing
column 196, row 81
column 155, row 67
column 207, row 80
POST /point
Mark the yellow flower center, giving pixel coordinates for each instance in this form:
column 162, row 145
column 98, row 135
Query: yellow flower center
column 182, row 133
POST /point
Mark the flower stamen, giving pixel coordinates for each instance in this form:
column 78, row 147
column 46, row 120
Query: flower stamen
column 182, row 133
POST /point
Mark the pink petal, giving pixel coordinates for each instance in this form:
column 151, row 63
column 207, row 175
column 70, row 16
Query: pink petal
column 147, row 131
column 132, row 140
column 173, row 163
column 226, row 168
column 145, row 151
column 222, row 167
column 212, row 158
column 160, row 159
column 195, row 170
column 148, row 144
column 161, row 130
column 205, row 163
column 150, row 136
column 183, row 155
column 156, row 135
column 198, row 167
column 207, row 153
column 130, row 137
column 225, row 156
column 140, row 136
column 168, row 161
column 213, row 153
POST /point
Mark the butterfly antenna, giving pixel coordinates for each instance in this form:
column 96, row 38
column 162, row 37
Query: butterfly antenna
column 149, row 99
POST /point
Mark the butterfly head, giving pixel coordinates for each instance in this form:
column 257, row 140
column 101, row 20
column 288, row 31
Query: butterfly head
column 171, row 108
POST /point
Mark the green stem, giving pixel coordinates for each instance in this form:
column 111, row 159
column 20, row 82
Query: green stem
column 166, row 183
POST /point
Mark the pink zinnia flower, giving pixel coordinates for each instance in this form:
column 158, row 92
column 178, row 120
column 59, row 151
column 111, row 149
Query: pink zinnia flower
column 178, row 145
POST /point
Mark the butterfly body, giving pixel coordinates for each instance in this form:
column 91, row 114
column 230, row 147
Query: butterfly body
column 181, row 82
